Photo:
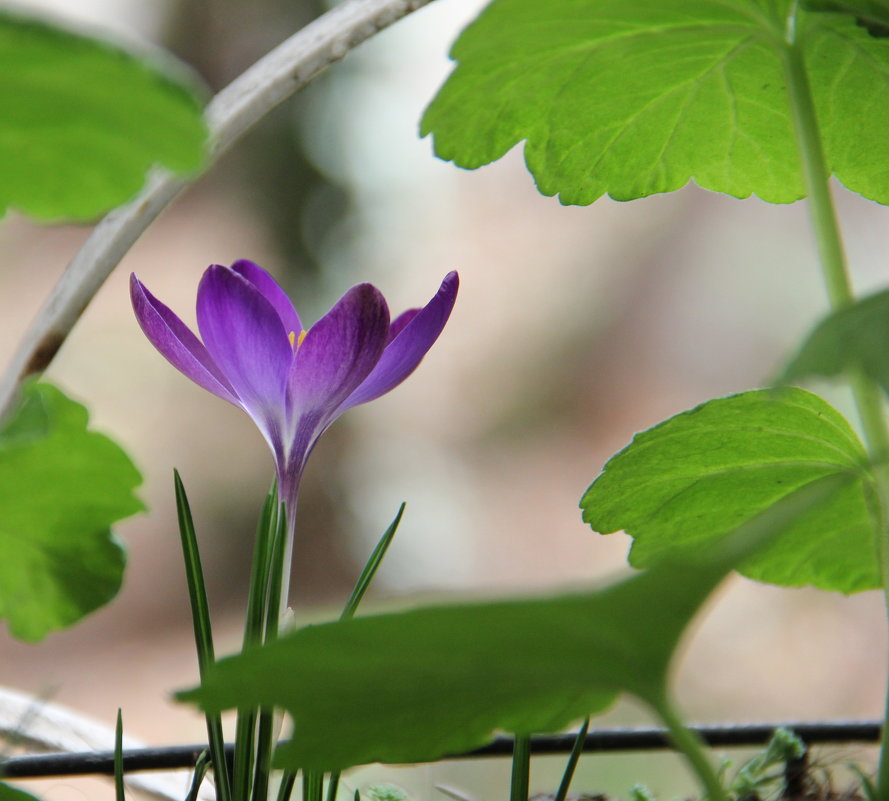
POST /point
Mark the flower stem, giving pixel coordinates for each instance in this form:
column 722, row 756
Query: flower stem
column 284, row 563
column 868, row 399
column 692, row 747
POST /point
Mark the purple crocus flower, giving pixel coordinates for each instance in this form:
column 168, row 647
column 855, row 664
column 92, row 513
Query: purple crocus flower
column 293, row 382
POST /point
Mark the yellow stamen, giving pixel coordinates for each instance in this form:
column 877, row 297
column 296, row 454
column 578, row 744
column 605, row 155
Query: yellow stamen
column 296, row 341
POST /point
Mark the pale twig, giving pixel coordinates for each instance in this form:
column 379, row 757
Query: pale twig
column 38, row 725
column 230, row 114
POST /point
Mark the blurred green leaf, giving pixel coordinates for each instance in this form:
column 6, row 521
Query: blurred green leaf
column 853, row 337
column 413, row 686
column 61, row 488
column 82, row 120
column 636, row 98
column 10, row 793
column 701, row 473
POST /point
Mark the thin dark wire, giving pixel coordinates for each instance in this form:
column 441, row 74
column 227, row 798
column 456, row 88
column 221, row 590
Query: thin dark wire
column 602, row 740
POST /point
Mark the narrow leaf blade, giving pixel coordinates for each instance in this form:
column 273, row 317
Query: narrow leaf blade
column 573, row 759
column 203, row 629
column 362, row 585
column 119, row 788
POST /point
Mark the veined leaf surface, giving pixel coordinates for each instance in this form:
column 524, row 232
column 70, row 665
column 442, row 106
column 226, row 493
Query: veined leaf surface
column 703, row 472
column 631, row 99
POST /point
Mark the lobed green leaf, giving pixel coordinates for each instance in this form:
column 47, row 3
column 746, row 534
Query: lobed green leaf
column 631, row 99
column 82, row 120
column 61, row 488
column 413, row 686
column 701, row 473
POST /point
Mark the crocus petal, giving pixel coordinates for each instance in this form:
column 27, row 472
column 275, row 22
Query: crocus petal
column 404, row 352
column 177, row 344
column 339, row 351
column 246, row 338
column 272, row 292
column 399, row 323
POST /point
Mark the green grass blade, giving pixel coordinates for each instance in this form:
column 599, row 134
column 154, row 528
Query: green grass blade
column 119, row 790
column 285, row 789
column 200, row 612
column 265, row 744
column 313, row 784
column 521, row 769
column 242, row 763
column 370, row 569
column 245, row 729
column 333, row 786
column 265, row 738
column 259, row 574
column 358, row 592
column 867, row 787
column 276, row 576
column 200, row 771
column 576, row 751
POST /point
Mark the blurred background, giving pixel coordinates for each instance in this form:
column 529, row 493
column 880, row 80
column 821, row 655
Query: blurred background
column 574, row 329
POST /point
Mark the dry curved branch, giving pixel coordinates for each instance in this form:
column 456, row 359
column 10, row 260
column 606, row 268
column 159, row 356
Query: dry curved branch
column 40, row 726
column 230, row 114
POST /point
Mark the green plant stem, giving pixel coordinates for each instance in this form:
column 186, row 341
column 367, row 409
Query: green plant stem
column 829, row 241
column 831, row 254
column 693, row 748
column 816, row 178
column 521, row 769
